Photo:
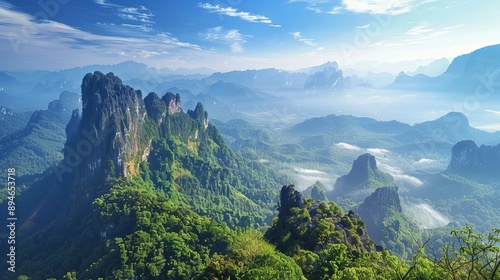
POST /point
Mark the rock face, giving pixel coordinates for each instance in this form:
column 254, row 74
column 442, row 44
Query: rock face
column 377, row 207
column 173, row 102
column 156, row 107
column 111, row 128
column 363, row 178
column 289, row 198
column 199, row 114
column 468, row 159
column 328, row 78
column 72, row 126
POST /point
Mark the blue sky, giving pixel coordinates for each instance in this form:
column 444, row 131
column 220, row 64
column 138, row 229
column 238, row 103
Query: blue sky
column 240, row 34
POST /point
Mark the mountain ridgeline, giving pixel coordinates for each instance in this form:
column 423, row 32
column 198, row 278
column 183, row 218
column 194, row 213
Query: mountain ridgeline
column 480, row 163
column 128, row 159
column 158, row 194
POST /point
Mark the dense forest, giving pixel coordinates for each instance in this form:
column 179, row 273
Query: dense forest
column 158, row 194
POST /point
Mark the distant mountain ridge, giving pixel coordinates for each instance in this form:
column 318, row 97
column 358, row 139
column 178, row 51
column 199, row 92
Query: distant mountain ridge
column 448, row 129
column 481, row 163
column 475, row 73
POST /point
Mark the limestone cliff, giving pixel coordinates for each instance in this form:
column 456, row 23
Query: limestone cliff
column 111, row 131
column 469, row 160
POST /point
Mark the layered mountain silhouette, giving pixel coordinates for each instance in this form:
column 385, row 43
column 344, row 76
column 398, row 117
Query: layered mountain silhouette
column 475, row 73
column 439, row 135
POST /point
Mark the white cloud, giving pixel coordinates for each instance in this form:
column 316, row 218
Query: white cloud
column 492, row 111
column 408, row 179
column 399, row 175
column 298, row 37
column 141, row 14
column 308, row 171
column 335, row 10
column 34, row 39
column 105, row 3
column 493, row 127
column 424, row 161
column 421, row 28
column 390, row 7
column 232, row 12
column 378, row 151
column 366, row 26
column 347, row 146
column 426, row 216
column 231, row 37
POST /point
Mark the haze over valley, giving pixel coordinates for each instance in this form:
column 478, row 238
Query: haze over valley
column 228, row 141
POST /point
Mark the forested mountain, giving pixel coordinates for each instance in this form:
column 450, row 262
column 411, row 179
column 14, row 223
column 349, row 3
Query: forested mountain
column 448, row 129
column 387, row 224
column 159, row 194
column 479, row 163
column 363, row 178
column 11, row 122
column 38, row 144
column 148, row 157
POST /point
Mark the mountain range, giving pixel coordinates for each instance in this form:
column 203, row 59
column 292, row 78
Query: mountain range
column 476, row 73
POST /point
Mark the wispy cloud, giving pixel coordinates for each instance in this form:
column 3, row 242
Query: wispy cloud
column 52, row 35
column 347, row 146
column 366, row 26
column 105, row 3
column 320, row 6
column 390, row 7
column 422, row 28
column 300, row 38
column 139, row 14
column 231, row 37
column 492, row 111
column 422, row 33
column 232, row 12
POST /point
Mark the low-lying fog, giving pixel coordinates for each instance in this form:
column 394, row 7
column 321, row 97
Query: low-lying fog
column 483, row 111
column 426, row 216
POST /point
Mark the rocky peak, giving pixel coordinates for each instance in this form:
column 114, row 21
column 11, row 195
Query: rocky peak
column 199, row 114
column 328, row 78
column 155, row 107
column 377, row 207
column 383, row 199
column 363, row 167
column 363, row 178
column 173, row 103
column 468, row 159
column 110, row 135
column 289, row 198
column 301, row 227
